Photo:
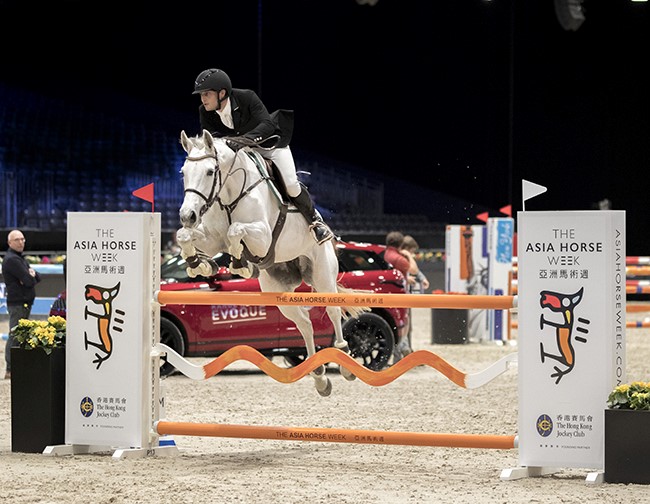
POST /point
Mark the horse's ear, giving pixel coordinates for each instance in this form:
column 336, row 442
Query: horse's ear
column 185, row 142
column 208, row 141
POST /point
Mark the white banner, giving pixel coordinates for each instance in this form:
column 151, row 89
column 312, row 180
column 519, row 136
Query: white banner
column 571, row 333
column 466, row 271
column 110, row 327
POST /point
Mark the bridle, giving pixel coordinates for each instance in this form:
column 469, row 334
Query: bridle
column 211, row 198
column 218, row 185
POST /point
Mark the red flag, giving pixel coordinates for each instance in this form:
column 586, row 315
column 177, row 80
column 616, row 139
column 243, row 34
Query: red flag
column 145, row 193
column 482, row 216
column 506, row 210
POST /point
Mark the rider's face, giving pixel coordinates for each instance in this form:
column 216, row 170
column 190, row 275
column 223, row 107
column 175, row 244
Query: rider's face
column 209, row 100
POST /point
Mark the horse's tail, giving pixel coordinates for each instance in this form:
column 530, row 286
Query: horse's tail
column 352, row 311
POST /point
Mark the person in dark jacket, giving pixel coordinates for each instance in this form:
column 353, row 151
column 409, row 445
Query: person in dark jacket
column 228, row 112
column 20, row 280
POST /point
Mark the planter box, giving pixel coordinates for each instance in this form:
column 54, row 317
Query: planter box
column 627, row 445
column 37, row 399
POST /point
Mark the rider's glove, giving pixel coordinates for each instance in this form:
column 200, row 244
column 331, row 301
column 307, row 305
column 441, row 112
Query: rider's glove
column 235, row 146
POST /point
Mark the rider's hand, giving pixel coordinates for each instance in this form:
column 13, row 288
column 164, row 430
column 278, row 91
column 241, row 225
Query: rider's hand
column 234, row 146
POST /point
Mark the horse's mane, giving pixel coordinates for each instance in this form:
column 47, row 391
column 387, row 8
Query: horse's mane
column 242, row 141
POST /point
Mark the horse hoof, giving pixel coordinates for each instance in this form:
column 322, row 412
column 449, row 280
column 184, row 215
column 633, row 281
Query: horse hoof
column 347, row 374
column 343, row 347
column 245, row 271
column 205, row 269
column 325, row 392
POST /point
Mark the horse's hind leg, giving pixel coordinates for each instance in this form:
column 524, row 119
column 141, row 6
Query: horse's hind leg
column 334, row 313
column 300, row 316
column 323, row 279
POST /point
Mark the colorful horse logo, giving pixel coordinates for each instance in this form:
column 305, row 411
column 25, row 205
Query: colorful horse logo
column 103, row 297
column 564, row 304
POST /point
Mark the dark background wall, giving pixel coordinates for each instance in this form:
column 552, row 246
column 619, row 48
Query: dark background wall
column 463, row 97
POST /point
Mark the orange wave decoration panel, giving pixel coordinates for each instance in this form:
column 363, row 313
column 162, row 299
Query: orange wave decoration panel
column 333, row 355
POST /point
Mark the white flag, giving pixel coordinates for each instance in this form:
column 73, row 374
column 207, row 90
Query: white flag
column 530, row 190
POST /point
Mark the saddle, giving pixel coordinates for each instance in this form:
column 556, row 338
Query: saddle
column 276, row 181
column 267, row 169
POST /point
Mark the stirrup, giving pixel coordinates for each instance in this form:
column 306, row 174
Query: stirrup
column 322, row 232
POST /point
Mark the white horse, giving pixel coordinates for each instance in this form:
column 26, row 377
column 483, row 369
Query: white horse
column 230, row 205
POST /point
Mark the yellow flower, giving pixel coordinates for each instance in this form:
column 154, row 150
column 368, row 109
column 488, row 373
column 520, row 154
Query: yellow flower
column 45, row 334
column 635, row 396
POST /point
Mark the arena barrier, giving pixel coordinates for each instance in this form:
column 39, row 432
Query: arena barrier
column 113, row 388
column 637, row 289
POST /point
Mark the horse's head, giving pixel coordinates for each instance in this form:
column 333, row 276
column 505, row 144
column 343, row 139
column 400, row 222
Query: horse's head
column 201, row 179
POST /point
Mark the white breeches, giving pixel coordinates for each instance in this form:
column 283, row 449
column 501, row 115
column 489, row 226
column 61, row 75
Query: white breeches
column 283, row 159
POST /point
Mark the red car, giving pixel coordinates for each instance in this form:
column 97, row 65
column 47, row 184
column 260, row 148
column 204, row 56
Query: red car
column 196, row 330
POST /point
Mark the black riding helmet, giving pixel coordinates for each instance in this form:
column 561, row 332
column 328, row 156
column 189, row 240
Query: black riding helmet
column 212, row 79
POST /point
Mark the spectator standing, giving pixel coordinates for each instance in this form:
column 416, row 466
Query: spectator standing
column 407, row 265
column 419, row 283
column 409, row 249
column 21, row 281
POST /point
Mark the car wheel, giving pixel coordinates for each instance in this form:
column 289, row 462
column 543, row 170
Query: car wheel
column 370, row 339
column 171, row 336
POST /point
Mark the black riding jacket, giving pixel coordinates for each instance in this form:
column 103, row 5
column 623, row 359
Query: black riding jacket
column 21, row 286
column 250, row 119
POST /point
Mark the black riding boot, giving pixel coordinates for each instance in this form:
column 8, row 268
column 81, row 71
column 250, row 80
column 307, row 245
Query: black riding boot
column 303, row 203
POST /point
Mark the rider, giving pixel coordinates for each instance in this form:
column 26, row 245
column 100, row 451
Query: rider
column 225, row 111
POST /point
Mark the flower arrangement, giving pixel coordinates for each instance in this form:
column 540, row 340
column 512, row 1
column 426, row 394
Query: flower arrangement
column 45, row 334
column 634, row 396
column 430, row 256
column 34, row 259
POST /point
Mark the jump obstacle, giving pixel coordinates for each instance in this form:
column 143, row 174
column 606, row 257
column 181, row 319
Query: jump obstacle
column 142, row 291
column 333, row 355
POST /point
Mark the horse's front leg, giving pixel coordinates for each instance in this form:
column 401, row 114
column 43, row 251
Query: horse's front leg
column 256, row 236
column 184, row 238
column 195, row 265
